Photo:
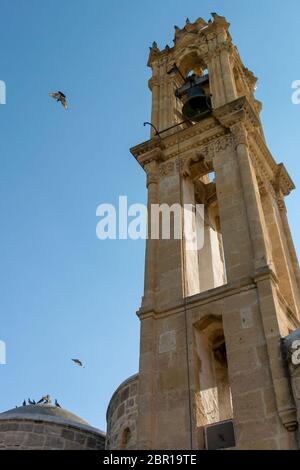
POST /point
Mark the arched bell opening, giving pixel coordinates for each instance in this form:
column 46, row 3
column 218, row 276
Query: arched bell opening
column 194, row 93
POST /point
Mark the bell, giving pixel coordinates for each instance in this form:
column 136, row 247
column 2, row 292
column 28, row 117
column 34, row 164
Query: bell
column 196, row 104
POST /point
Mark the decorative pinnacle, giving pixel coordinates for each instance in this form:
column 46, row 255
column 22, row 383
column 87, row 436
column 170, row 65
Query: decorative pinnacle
column 217, row 17
column 154, row 47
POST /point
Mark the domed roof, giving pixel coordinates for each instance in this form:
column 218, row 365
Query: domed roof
column 46, row 412
column 44, row 409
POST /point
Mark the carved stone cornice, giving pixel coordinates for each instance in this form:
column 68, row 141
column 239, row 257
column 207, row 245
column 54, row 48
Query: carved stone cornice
column 153, row 155
column 283, row 182
column 207, row 136
column 237, row 111
column 275, row 177
column 233, row 122
column 151, row 150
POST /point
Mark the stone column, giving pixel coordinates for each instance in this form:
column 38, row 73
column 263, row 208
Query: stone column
column 255, row 217
column 233, row 218
column 227, row 72
column 169, row 259
column 289, row 239
column 222, row 80
column 280, row 253
column 212, row 81
column 215, row 78
column 154, row 87
column 211, row 268
column 268, row 304
column 147, row 416
column 190, row 261
column 151, row 245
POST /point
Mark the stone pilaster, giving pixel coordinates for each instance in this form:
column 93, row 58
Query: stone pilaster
column 148, row 301
column 255, row 217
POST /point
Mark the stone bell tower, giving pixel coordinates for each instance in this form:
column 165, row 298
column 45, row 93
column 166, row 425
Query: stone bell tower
column 212, row 318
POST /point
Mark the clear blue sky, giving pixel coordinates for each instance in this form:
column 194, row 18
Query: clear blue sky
column 64, row 293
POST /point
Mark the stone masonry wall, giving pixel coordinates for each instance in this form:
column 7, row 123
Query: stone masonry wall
column 122, row 416
column 41, row 435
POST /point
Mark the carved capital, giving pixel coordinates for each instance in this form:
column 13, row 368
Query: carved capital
column 151, row 169
column 240, row 134
column 280, row 202
column 212, row 54
column 154, row 81
column 226, row 46
column 223, row 143
column 216, row 50
column 262, row 188
column 166, row 169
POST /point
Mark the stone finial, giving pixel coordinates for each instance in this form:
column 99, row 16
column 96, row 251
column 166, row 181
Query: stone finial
column 217, row 17
column 219, row 20
column 154, row 47
column 200, row 22
column 154, row 51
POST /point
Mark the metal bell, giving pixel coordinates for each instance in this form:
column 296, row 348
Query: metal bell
column 196, row 104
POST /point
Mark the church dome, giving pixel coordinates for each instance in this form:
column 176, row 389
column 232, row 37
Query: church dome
column 47, row 427
column 46, row 412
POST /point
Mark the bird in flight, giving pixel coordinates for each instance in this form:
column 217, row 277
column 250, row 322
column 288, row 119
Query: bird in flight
column 60, row 96
column 77, row 362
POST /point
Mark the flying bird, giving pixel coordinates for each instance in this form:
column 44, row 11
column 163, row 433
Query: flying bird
column 77, row 362
column 57, row 404
column 60, row 96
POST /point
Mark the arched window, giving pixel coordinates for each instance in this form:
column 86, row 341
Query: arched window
column 213, row 395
